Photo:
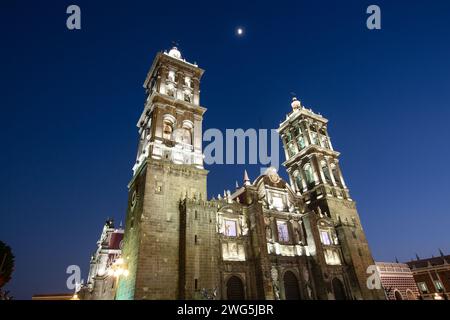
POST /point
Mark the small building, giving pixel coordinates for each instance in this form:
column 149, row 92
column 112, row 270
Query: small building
column 397, row 281
column 432, row 276
column 102, row 280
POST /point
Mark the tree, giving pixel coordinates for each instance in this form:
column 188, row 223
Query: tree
column 6, row 264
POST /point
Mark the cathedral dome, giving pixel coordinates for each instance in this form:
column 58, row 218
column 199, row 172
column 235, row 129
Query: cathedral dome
column 175, row 53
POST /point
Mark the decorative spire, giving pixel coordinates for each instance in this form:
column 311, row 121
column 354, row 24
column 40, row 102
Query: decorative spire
column 237, row 185
column 175, row 53
column 246, row 178
column 441, row 253
column 396, row 260
column 417, row 256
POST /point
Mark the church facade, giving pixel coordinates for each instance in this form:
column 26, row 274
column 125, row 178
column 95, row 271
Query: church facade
column 268, row 239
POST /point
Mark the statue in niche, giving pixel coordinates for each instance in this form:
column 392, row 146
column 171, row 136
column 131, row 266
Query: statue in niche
column 243, row 225
column 275, row 283
column 297, row 231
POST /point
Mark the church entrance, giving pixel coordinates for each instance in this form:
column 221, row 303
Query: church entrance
column 235, row 289
column 338, row 289
column 291, row 289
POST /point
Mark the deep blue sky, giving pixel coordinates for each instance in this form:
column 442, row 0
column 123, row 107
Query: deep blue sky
column 70, row 101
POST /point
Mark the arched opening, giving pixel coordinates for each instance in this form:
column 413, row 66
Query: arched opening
column 309, row 174
column 291, row 289
column 410, row 295
column 338, row 289
column 235, row 289
column 398, row 295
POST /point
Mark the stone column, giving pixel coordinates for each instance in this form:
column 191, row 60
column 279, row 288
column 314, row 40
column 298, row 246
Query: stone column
column 330, row 171
column 196, row 91
column 162, row 80
column 341, row 177
column 285, row 146
column 328, row 139
column 314, row 171
column 307, row 132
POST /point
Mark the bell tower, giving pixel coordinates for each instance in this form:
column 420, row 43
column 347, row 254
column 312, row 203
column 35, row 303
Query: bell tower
column 168, row 168
column 315, row 175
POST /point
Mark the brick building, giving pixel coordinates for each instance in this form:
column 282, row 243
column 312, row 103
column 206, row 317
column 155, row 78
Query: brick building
column 397, row 281
column 432, row 276
column 267, row 239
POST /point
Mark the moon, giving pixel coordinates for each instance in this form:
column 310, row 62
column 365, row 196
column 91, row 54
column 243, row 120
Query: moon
column 239, row 31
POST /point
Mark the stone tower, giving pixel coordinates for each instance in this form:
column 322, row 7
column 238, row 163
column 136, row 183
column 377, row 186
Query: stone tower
column 168, row 168
column 315, row 174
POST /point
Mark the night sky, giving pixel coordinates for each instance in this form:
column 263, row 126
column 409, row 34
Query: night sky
column 70, row 101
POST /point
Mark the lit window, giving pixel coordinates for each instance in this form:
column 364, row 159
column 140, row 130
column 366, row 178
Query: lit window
column 325, row 237
column 230, row 228
column 283, row 233
column 438, row 285
column 423, row 287
column 308, row 173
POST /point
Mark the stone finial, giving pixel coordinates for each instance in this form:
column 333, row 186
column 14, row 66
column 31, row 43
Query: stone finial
column 246, row 178
column 296, row 104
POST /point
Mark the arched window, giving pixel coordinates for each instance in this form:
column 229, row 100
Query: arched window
column 410, row 295
column 298, row 181
column 292, row 149
column 235, row 289
column 398, row 295
column 167, row 132
column 308, row 174
column 301, row 141
column 168, row 123
column 326, row 171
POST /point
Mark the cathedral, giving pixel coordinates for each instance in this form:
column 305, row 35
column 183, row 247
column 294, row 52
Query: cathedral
column 268, row 239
